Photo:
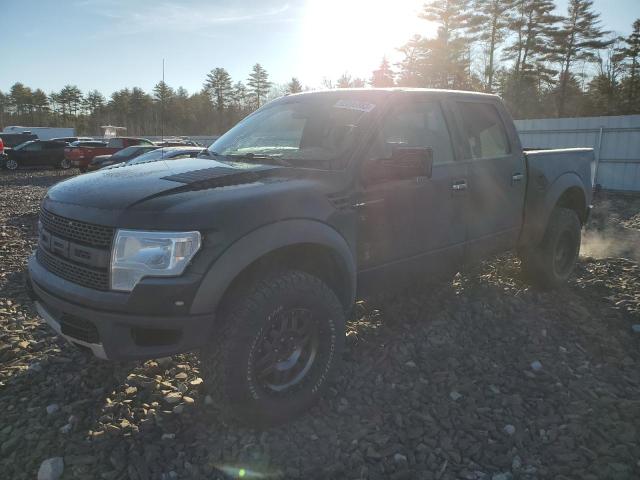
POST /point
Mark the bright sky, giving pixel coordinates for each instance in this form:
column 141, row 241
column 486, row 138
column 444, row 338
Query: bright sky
column 110, row 44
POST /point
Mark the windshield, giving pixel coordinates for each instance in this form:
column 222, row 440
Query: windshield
column 304, row 132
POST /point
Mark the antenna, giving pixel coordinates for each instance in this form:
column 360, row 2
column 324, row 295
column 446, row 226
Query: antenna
column 162, row 111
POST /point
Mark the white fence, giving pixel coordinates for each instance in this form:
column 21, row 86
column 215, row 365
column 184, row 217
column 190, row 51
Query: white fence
column 615, row 140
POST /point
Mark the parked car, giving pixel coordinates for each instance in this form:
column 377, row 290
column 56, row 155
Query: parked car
column 81, row 156
column 166, row 153
column 37, row 153
column 119, row 157
column 254, row 255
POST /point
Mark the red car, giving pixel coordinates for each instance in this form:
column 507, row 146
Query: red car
column 80, row 154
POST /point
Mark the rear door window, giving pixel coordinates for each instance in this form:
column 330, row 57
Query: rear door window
column 116, row 143
column 482, row 130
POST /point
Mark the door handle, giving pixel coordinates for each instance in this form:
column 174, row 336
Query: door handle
column 516, row 177
column 459, row 185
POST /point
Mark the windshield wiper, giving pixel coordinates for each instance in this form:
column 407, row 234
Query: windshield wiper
column 271, row 159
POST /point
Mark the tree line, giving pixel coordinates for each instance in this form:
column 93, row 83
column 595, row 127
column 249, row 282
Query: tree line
column 542, row 64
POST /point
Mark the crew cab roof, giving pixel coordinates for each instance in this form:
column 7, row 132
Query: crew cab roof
column 384, row 92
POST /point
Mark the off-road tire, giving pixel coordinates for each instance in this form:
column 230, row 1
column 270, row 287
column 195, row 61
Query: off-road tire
column 227, row 363
column 552, row 262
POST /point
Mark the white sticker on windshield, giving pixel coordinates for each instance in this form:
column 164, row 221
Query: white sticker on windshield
column 355, row 105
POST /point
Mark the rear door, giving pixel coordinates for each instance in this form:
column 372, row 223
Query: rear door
column 413, row 227
column 496, row 178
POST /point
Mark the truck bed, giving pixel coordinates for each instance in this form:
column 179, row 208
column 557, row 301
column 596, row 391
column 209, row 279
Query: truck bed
column 549, row 173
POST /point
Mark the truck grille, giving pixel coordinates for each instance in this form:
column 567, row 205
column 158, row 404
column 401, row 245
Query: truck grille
column 87, row 233
column 97, row 279
column 64, row 259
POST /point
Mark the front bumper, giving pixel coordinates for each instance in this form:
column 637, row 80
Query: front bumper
column 88, row 322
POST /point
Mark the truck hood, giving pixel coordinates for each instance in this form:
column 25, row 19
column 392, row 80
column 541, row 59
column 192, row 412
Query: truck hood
column 124, row 187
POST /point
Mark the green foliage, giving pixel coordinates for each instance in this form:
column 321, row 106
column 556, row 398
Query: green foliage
column 259, row 85
column 294, row 86
column 382, row 77
column 218, row 85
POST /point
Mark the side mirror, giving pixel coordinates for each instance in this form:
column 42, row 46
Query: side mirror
column 405, row 163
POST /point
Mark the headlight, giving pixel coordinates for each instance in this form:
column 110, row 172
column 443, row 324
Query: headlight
column 137, row 254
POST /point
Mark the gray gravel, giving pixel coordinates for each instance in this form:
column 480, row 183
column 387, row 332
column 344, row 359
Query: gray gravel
column 480, row 378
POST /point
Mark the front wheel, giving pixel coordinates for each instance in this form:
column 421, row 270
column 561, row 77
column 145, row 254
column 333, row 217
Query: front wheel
column 550, row 264
column 11, row 164
column 276, row 349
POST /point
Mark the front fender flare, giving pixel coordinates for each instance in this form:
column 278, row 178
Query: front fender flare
column 263, row 241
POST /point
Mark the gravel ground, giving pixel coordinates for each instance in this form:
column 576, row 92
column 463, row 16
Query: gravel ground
column 481, row 378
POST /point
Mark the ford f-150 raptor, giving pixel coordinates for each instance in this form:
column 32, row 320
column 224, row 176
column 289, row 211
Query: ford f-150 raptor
column 253, row 253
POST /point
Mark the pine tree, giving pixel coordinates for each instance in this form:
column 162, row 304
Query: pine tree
column 447, row 58
column 4, row 107
column 93, row 102
column 218, row 85
column 119, row 106
column 533, row 26
column 577, row 40
column 489, row 23
column 239, row 95
column 412, row 65
column 259, row 84
column 629, row 54
column 20, row 98
column 294, row 86
column 382, row 77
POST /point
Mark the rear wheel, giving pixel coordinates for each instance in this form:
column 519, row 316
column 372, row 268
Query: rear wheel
column 552, row 262
column 11, row 164
column 65, row 164
column 278, row 345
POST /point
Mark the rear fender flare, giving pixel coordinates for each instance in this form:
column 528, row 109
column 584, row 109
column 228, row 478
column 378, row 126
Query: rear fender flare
column 539, row 209
column 261, row 242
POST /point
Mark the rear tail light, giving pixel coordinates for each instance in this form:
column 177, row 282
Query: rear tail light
column 1, row 146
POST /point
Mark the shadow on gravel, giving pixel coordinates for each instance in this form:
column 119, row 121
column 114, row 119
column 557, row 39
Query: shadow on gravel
column 470, row 379
column 479, row 377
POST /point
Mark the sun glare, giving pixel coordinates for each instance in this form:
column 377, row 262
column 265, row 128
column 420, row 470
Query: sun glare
column 353, row 35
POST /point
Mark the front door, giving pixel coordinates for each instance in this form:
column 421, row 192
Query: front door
column 31, row 154
column 412, row 227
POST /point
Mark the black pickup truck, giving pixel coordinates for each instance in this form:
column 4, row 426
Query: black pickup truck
column 254, row 252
